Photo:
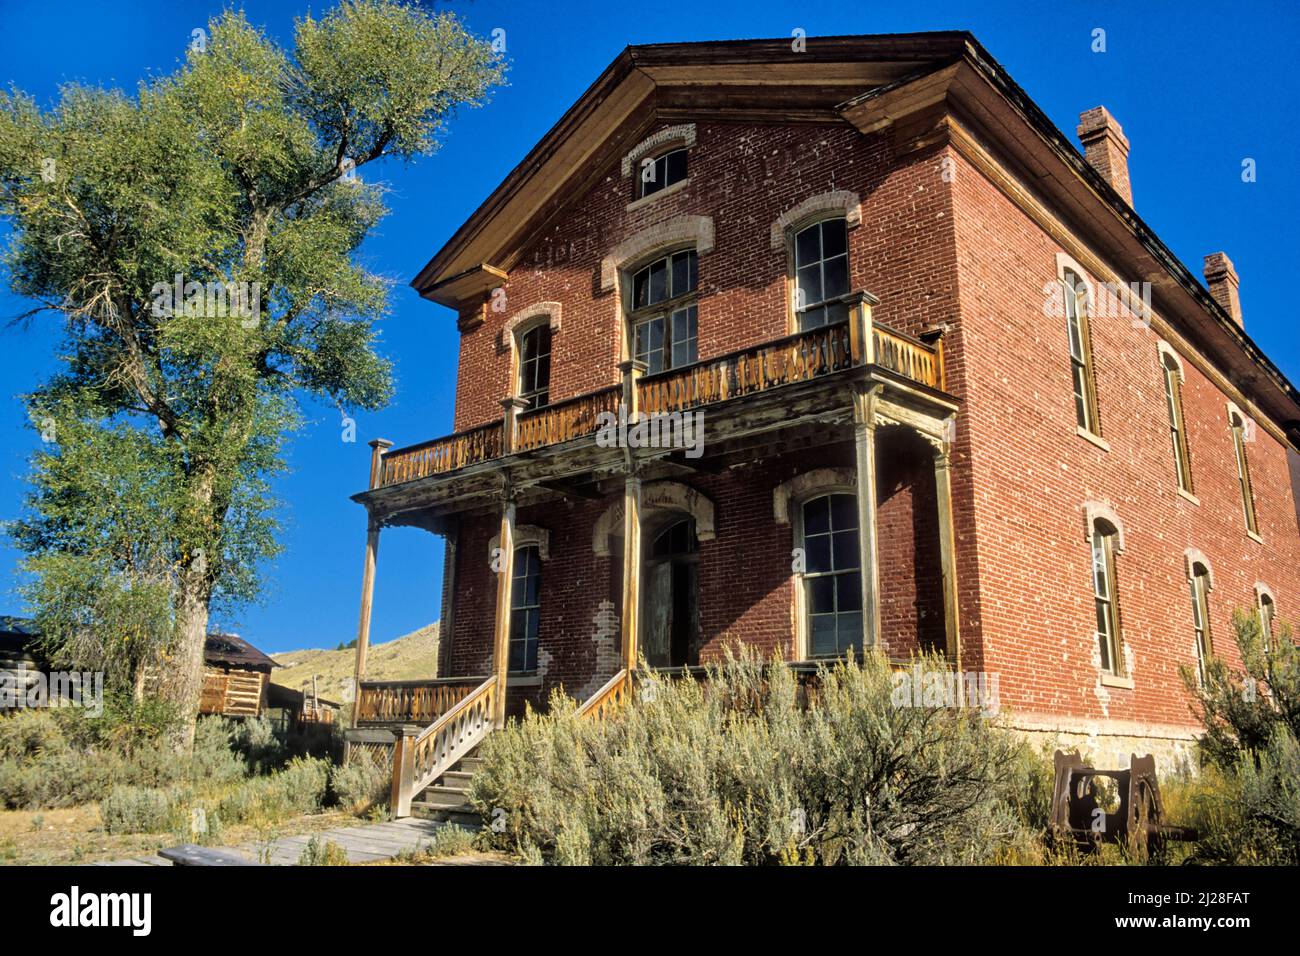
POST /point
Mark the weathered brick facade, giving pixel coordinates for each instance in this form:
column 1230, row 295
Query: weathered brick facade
column 945, row 235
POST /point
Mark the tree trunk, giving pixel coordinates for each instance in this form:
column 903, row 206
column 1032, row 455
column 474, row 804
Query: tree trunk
column 183, row 674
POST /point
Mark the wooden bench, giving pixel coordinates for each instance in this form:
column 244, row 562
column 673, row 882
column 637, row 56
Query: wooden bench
column 188, row 854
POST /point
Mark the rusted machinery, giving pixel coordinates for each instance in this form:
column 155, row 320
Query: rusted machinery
column 1110, row 806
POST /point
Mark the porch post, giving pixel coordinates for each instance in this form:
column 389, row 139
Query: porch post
column 947, row 554
column 864, row 438
column 363, row 625
column 505, row 568
column 631, row 569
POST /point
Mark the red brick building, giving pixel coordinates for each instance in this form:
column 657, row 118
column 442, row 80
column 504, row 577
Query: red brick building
column 955, row 396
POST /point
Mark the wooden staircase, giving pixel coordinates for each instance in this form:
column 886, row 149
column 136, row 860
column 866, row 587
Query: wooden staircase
column 447, row 798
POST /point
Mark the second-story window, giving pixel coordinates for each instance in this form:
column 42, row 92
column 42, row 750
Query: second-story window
column 525, row 608
column 1105, row 598
column 661, row 172
column 821, row 273
column 1200, row 587
column 1238, row 425
column 1076, row 320
column 535, row 366
column 1177, row 427
column 664, row 315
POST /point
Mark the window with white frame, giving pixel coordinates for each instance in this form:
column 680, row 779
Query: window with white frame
column 1267, row 613
column 1239, row 432
column 832, row 579
column 664, row 314
column 1200, row 588
column 1081, row 372
column 535, row 365
column 1105, row 599
column 662, row 171
column 821, row 273
column 1177, row 425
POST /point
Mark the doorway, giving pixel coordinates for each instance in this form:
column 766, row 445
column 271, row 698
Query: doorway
column 670, row 597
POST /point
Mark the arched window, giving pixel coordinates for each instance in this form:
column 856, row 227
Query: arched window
column 1200, row 587
column 663, row 314
column 1106, row 599
column 1267, row 612
column 659, row 173
column 525, row 608
column 1076, row 320
column 1177, row 426
column 1238, row 425
column 832, row 578
column 821, row 273
column 535, row 365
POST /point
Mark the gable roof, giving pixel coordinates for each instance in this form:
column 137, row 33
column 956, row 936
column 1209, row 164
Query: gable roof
column 871, row 82
column 234, row 650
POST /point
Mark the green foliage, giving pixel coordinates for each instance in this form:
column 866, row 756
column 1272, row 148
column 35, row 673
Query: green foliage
column 322, row 853
column 449, row 840
column 129, row 809
column 150, row 496
column 299, row 788
column 1248, row 807
column 360, row 785
column 738, row 771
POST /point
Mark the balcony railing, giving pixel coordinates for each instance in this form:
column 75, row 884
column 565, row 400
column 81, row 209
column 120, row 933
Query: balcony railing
column 795, row 358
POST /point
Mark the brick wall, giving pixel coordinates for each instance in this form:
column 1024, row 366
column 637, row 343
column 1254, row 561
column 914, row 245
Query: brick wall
column 937, row 243
column 1029, row 474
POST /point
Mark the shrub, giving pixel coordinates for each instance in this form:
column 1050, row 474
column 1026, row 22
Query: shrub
column 297, row 789
column 360, row 784
column 326, row 853
column 1248, row 811
column 737, row 771
column 129, row 809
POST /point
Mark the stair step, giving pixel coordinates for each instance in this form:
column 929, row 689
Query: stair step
column 446, row 796
column 469, row 764
column 456, row 778
column 460, row 815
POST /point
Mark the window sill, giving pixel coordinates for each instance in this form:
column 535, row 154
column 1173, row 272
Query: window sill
column 1189, row 496
column 1112, row 680
column 667, row 190
column 524, row 679
column 1090, row 437
column 1254, row 537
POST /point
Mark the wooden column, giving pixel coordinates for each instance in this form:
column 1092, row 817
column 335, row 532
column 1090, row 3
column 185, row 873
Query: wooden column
column 363, row 625
column 862, row 344
column 864, row 438
column 505, row 561
column 378, row 448
column 399, row 796
column 631, row 569
column 510, row 422
column 632, row 371
column 947, row 555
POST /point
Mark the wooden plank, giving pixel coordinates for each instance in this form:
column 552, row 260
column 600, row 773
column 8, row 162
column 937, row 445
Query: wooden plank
column 188, row 854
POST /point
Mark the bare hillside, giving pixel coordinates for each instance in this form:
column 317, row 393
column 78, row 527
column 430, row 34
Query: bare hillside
column 409, row 656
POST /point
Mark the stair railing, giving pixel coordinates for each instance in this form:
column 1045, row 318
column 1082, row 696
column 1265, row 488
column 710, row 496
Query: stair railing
column 422, row 756
column 603, row 703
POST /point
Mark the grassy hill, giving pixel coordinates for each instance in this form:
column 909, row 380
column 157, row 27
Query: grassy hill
column 409, row 656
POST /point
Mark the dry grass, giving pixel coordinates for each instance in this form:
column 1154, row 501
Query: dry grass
column 408, row 657
column 76, row 835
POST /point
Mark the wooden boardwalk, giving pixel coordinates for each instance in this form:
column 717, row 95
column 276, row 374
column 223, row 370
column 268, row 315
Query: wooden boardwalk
column 367, row 843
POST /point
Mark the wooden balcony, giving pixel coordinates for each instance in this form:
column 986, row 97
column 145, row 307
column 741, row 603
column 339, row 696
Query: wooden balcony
column 802, row 357
column 421, row 702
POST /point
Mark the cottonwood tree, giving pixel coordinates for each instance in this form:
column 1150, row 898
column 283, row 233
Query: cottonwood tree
column 233, row 182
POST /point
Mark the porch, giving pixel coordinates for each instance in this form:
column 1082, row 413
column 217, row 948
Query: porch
column 543, row 502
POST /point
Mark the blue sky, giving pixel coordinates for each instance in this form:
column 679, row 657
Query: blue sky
column 1198, row 87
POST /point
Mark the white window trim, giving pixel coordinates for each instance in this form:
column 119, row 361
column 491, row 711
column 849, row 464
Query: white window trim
column 681, row 136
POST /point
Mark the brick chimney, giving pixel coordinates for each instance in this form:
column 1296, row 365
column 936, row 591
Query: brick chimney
column 1106, row 149
column 1222, row 280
